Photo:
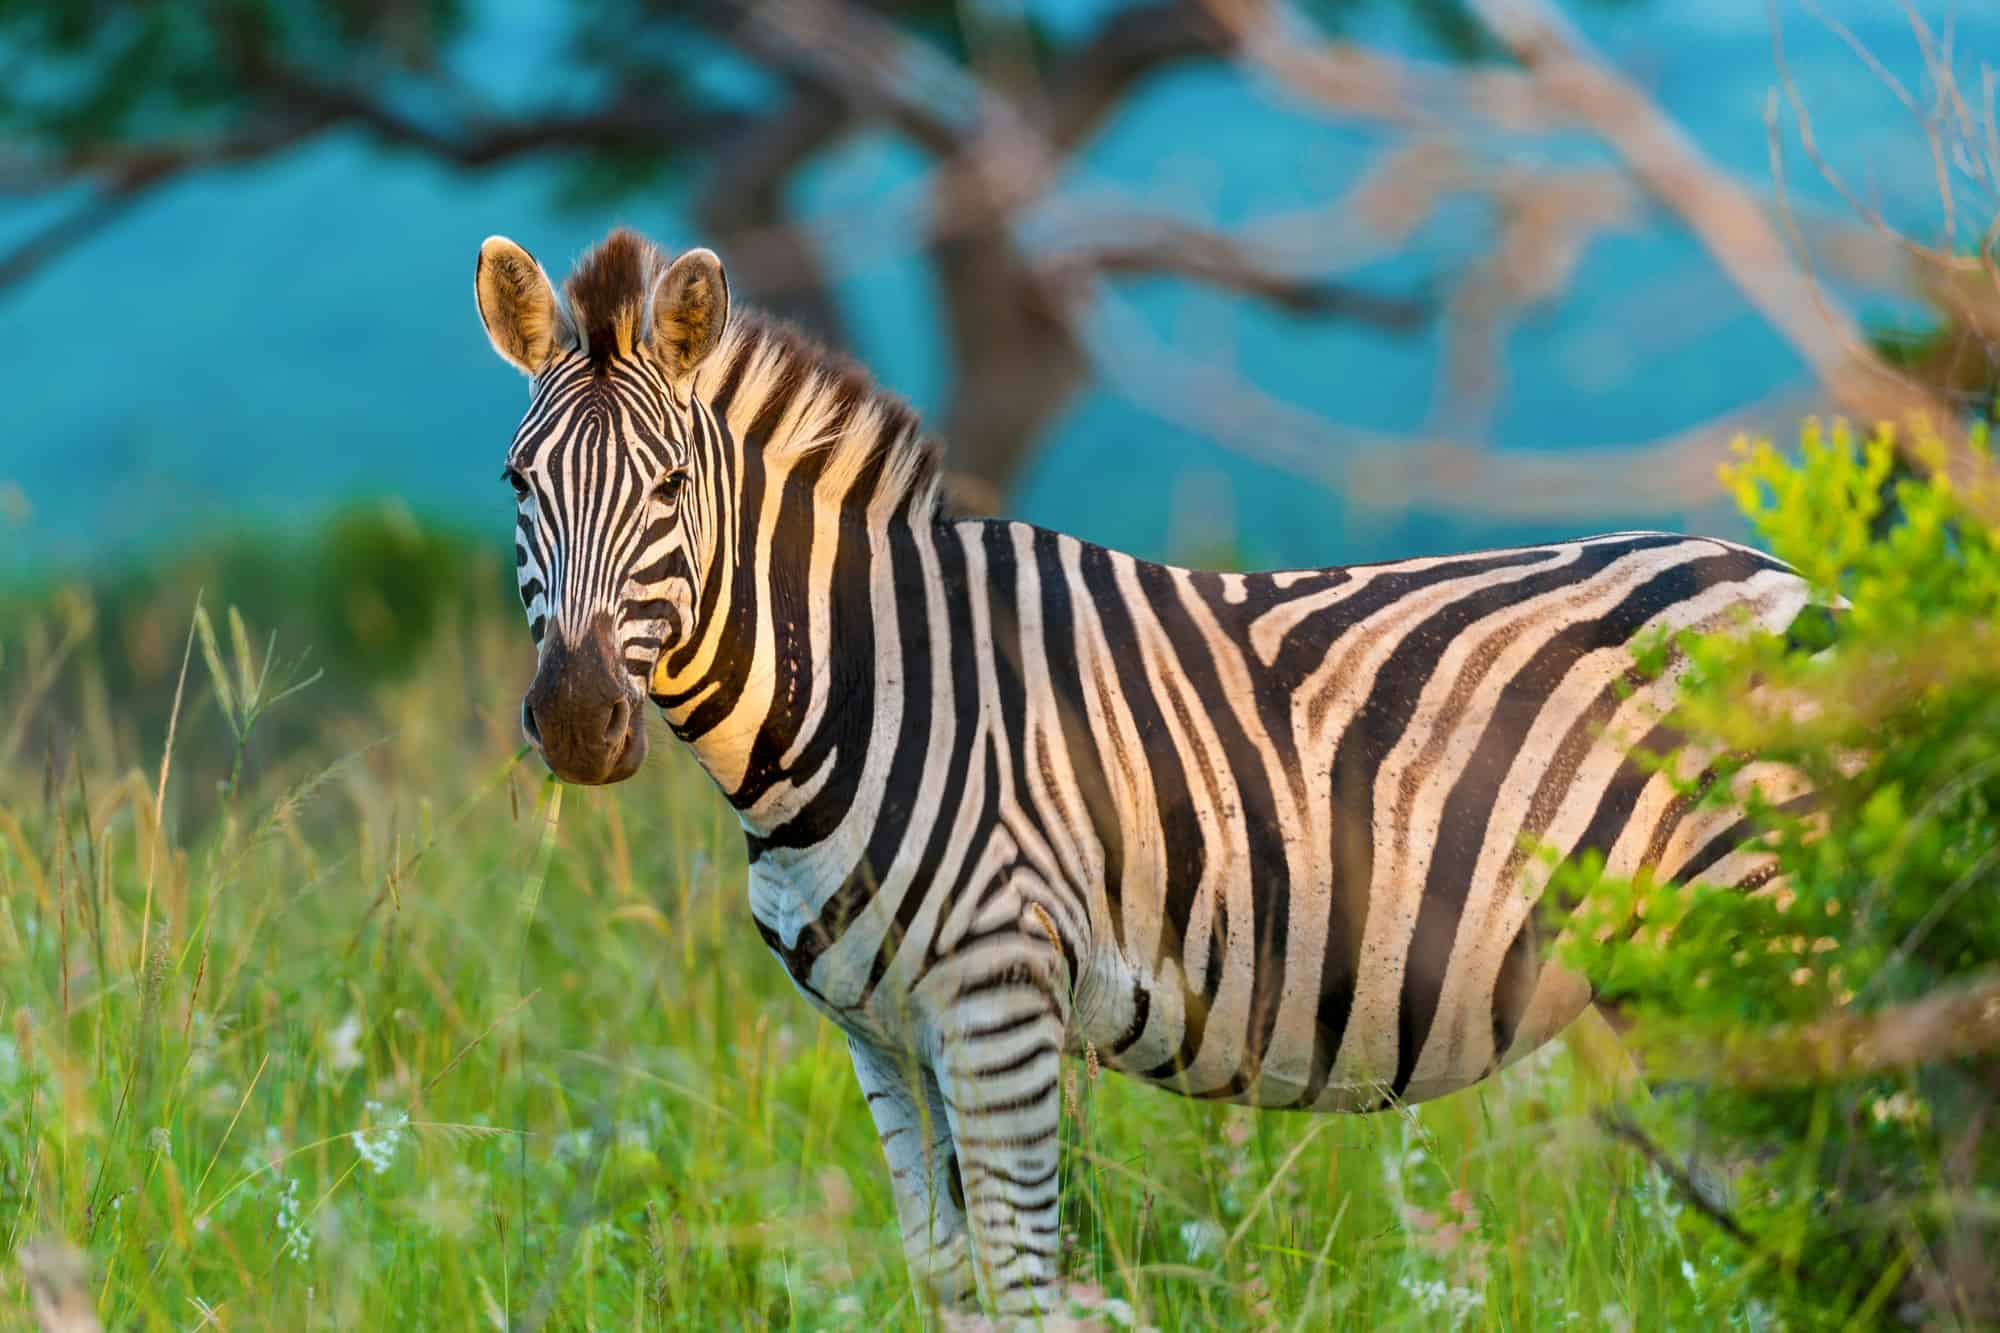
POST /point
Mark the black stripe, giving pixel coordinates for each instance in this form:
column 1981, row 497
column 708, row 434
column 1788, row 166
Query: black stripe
column 1266, row 866
column 1062, row 650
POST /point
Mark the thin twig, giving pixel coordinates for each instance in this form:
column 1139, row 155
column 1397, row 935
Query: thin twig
column 1618, row 1126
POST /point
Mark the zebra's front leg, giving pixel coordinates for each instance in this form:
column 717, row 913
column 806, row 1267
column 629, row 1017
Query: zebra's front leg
column 1000, row 1068
column 916, row 1140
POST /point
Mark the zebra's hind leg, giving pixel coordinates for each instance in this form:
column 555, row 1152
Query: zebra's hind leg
column 916, row 1141
column 1000, row 1067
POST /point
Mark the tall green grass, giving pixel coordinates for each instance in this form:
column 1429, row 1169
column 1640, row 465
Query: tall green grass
column 350, row 1019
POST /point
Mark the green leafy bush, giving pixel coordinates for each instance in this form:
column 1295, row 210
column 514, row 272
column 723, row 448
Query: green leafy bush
column 1833, row 1036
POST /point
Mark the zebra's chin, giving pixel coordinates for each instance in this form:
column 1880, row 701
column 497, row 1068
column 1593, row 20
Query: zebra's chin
column 629, row 759
column 586, row 769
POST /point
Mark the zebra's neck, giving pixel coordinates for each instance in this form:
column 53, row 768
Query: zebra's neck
column 826, row 492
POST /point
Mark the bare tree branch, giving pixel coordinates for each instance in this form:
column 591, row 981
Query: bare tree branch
column 296, row 106
column 1372, row 85
column 744, row 195
column 1953, row 1023
column 1678, row 471
column 1728, row 222
column 62, row 234
column 868, row 63
column 1394, row 473
column 1618, row 1126
column 649, row 124
column 1151, row 244
column 126, row 181
column 1128, row 46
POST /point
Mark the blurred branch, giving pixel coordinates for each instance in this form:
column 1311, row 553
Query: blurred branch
column 1675, row 471
column 1379, row 86
column 1953, row 1023
column 1156, row 245
column 869, row 64
column 744, row 195
column 295, row 107
column 1018, row 353
column 1398, row 472
column 1618, row 1126
column 1128, row 46
column 50, row 241
column 124, row 180
column 1728, row 222
column 1563, row 84
column 633, row 122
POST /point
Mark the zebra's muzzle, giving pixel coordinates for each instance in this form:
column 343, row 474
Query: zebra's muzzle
column 581, row 711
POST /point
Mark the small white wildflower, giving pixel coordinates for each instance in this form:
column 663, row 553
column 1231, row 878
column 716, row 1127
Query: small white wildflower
column 1899, row 1108
column 159, row 1140
column 1429, row 1296
column 1117, row 1311
column 377, row 1147
column 1201, row 1237
column 292, row 1222
column 1658, row 1202
column 343, row 1045
column 1087, row 1302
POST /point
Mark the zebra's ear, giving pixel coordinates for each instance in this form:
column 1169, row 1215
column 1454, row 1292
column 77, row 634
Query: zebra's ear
column 517, row 304
column 690, row 309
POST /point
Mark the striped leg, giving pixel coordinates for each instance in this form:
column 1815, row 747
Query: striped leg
column 1001, row 1073
column 916, row 1140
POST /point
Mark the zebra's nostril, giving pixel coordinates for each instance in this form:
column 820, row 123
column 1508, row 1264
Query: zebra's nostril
column 614, row 727
column 528, row 727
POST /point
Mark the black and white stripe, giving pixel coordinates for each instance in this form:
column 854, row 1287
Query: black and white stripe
column 1259, row 837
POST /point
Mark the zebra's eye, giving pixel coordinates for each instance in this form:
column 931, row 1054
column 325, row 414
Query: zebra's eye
column 517, row 481
column 669, row 488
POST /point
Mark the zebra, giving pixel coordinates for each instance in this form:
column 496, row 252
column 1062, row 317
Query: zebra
column 1268, row 838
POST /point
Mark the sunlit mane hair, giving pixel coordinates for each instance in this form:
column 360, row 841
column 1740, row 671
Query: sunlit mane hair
column 824, row 401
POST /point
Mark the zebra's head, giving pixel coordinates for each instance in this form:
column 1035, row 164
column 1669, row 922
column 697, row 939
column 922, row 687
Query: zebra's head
column 609, row 475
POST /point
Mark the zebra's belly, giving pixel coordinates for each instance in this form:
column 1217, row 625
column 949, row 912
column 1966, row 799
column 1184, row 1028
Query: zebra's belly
column 1269, row 1038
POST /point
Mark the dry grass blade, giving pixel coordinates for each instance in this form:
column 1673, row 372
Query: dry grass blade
column 166, row 770
column 231, row 1129
column 1264, row 1195
column 470, row 1046
column 74, row 634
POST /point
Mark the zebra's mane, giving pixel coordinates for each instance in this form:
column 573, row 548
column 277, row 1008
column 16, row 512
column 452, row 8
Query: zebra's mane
column 823, row 402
